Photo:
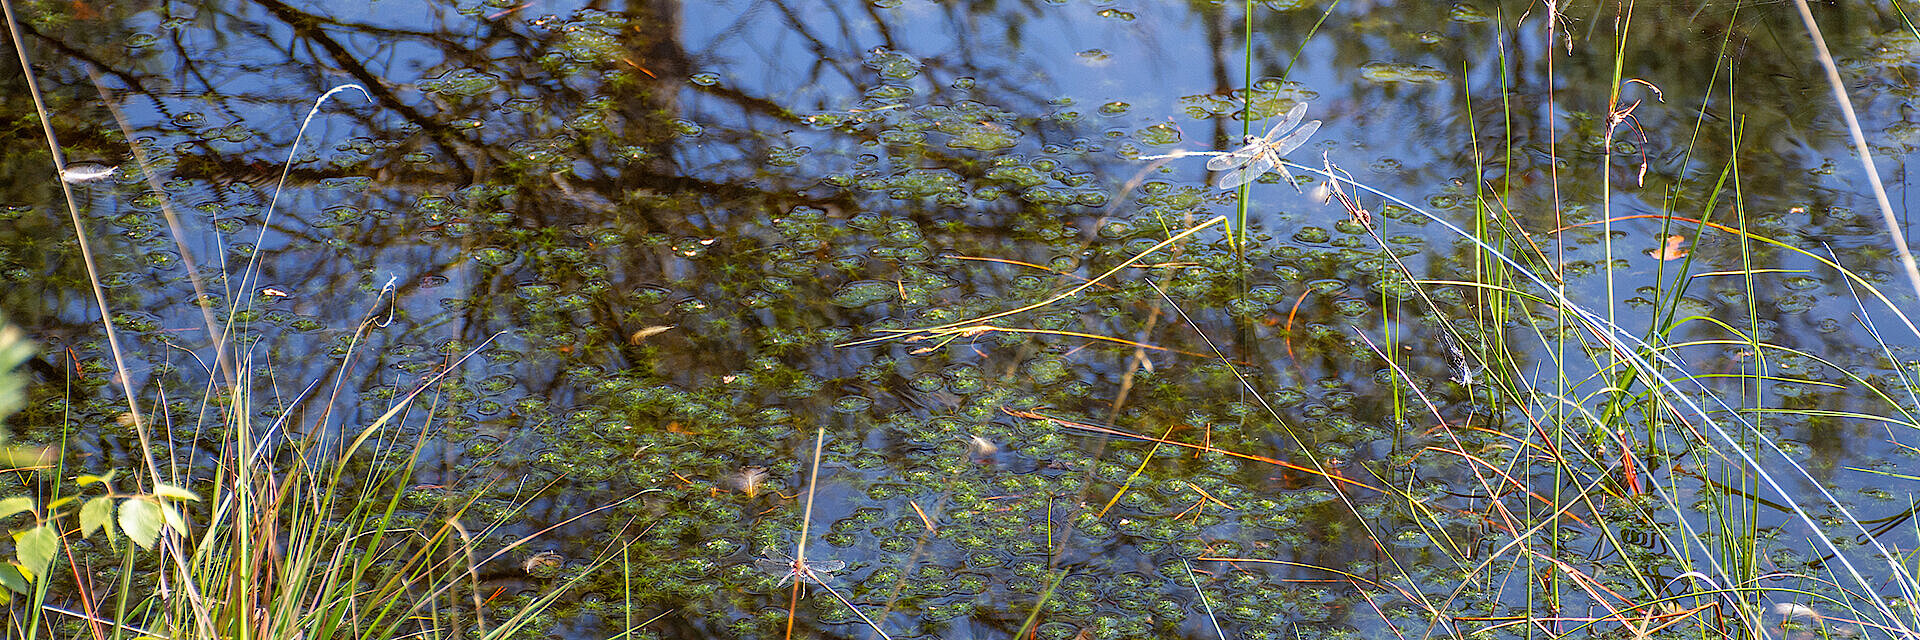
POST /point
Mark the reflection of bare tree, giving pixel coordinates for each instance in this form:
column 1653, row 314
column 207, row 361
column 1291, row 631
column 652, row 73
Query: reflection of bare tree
column 574, row 179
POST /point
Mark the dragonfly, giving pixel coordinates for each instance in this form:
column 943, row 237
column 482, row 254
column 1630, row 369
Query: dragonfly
column 802, row 569
column 1262, row 154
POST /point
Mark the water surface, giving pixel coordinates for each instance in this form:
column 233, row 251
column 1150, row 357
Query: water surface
column 659, row 226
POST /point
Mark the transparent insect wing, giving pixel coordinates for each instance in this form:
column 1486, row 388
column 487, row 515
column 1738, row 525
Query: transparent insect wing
column 818, row 569
column 1293, row 140
column 814, row 571
column 1259, row 165
column 1261, row 155
column 1294, row 115
column 774, row 565
column 1237, row 157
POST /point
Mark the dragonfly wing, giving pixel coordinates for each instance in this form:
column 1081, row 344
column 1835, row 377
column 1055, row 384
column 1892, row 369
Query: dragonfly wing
column 1261, row 155
column 819, row 571
column 1234, row 158
column 1260, row 165
column 1294, row 140
column 773, row 567
column 1293, row 117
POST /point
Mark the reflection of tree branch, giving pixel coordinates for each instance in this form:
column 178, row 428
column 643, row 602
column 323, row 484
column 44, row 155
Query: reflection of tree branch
column 307, row 26
column 820, row 49
column 753, row 104
column 880, row 24
column 192, row 66
column 133, row 82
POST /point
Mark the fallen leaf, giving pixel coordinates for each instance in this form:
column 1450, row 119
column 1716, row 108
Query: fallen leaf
column 1676, row 249
column 79, row 172
column 982, row 447
column 648, row 332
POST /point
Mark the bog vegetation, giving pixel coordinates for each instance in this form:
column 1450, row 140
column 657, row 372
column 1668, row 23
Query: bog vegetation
column 589, row 331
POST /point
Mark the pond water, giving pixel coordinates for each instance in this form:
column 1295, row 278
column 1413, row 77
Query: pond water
column 680, row 243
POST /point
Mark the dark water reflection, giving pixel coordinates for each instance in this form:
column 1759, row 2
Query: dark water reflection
column 553, row 185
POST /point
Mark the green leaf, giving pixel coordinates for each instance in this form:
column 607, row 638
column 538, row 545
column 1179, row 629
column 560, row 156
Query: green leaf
column 141, row 521
column 60, row 502
column 97, row 514
column 11, row 578
column 36, row 548
column 85, row 479
column 165, row 490
column 14, row 349
column 11, row 506
column 172, row 515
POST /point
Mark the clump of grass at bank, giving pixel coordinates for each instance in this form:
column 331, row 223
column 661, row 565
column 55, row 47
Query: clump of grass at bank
column 253, row 511
column 1625, row 444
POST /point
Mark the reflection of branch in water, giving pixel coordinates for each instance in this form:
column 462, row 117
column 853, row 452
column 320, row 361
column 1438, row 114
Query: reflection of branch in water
column 306, row 25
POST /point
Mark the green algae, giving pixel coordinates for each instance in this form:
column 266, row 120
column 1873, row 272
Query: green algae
column 832, row 239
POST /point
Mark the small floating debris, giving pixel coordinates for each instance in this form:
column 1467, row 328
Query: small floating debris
column 1794, row 613
column 643, row 334
column 545, row 564
column 1792, row 610
column 1675, row 249
column 751, row 481
column 982, row 447
column 80, row 172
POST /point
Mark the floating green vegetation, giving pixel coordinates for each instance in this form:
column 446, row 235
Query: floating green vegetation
column 1385, row 72
column 691, row 267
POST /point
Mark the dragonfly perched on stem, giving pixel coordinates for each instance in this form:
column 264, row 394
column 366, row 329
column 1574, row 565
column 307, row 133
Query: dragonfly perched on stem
column 818, row 572
column 1262, row 154
column 802, row 569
